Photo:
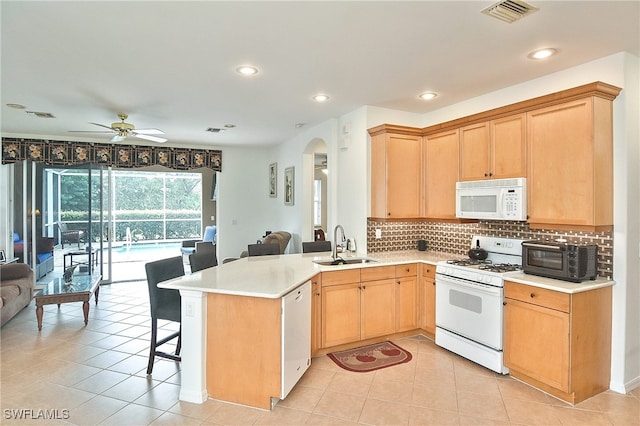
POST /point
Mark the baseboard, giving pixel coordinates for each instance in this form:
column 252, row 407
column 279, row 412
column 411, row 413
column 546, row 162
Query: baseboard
column 625, row 388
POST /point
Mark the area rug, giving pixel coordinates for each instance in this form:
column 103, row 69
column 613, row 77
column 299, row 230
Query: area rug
column 371, row 357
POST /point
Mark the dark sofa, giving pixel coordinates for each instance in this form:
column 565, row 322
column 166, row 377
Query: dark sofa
column 44, row 253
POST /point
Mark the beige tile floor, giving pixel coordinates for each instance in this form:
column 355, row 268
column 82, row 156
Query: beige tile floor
column 95, row 374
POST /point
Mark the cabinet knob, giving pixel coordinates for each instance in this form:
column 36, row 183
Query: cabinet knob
column 486, row 175
column 504, row 303
column 388, row 213
column 398, row 282
column 533, row 295
column 363, row 287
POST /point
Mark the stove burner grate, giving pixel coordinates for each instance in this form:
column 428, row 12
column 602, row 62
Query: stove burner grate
column 500, row 267
column 468, row 262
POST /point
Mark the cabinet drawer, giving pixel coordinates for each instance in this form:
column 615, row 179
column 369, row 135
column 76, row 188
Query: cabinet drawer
column 377, row 273
column 429, row 271
column 538, row 296
column 407, row 270
column 340, row 277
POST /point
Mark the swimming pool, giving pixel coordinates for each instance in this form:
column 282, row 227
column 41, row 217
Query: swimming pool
column 146, row 251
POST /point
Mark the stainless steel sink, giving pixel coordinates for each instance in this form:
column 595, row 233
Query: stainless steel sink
column 346, row 261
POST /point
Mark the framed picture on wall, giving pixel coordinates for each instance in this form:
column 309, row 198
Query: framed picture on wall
column 288, row 186
column 273, row 180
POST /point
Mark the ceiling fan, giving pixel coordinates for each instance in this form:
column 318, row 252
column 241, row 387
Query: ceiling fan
column 123, row 130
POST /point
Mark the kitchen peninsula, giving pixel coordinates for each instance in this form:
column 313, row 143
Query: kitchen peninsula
column 232, row 316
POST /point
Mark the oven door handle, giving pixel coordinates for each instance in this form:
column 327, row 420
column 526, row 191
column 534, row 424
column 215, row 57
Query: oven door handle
column 469, row 285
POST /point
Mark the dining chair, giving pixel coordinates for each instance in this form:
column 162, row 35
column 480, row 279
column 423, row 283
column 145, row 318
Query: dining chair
column 316, row 246
column 165, row 305
column 203, row 259
column 263, row 249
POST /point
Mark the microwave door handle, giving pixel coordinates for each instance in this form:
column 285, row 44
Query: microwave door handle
column 544, row 246
column 503, row 196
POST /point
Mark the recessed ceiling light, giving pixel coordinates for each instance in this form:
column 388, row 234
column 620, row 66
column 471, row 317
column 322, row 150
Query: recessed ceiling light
column 299, row 125
column 542, row 53
column 16, row 106
column 427, row 96
column 229, row 126
column 247, row 70
column 320, row 98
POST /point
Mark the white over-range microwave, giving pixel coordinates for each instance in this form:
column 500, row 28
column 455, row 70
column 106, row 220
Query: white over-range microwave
column 496, row 199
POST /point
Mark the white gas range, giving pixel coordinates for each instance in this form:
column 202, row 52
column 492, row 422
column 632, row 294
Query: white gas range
column 469, row 301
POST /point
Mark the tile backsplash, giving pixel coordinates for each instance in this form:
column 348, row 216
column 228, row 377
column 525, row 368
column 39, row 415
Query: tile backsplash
column 456, row 237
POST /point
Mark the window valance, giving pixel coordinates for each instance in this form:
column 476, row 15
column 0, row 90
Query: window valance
column 64, row 153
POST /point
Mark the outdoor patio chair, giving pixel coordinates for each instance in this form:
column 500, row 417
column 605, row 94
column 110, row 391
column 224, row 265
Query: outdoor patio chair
column 316, row 246
column 189, row 246
column 70, row 235
column 165, row 305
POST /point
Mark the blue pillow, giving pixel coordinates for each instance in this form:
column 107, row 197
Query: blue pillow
column 16, row 237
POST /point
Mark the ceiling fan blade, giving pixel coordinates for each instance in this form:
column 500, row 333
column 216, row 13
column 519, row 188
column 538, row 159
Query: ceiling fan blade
column 149, row 137
column 102, row 125
column 117, row 138
column 150, row 131
column 89, row 131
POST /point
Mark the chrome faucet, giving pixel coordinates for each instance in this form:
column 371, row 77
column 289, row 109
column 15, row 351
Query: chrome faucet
column 335, row 240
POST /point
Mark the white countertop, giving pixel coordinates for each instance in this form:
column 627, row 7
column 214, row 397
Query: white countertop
column 274, row 276
column 558, row 285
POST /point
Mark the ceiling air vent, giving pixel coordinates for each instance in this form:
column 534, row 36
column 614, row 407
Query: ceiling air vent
column 509, row 10
column 41, row 114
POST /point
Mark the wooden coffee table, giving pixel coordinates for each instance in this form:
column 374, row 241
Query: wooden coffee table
column 80, row 289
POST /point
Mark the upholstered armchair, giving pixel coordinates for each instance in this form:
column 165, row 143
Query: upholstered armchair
column 278, row 237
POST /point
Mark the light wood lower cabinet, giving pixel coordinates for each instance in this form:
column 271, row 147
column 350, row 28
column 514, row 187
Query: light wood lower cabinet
column 406, row 297
column 381, row 302
column 316, row 312
column 427, row 300
column 559, row 342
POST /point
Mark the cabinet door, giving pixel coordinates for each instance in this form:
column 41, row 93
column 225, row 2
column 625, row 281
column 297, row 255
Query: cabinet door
column 536, row 343
column 378, row 308
column 396, row 164
column 563, row 164
column 441, row 174
column 429, row 298
column 316, row 313
column 406, row 307
column 509, row 147
column 404, row 161
column 340, row 314
column 474, row 152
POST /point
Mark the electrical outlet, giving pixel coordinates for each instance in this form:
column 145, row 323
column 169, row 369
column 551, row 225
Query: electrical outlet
column 189, row 310
column 378, row 233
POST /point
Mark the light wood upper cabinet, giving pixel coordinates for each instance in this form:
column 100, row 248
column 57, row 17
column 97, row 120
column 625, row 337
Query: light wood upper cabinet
column 441, row 174
column 494, row 149
column 396, row 164
column 571, row 165
column 559, row 342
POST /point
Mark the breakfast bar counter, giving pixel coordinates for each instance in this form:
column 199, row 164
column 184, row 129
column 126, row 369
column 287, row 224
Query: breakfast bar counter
column 238, row 303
